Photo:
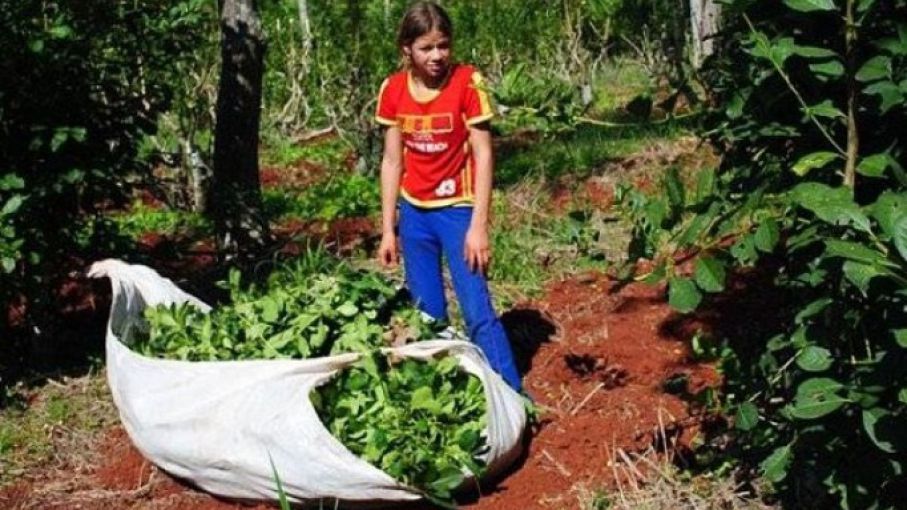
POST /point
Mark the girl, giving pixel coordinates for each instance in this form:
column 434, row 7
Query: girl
column 438, row 156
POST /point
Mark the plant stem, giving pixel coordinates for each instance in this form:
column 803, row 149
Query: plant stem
column 797, row 94
column 853, row 139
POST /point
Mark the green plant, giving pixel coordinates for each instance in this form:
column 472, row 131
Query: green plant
column 812, row 190
column 349, row 196
column 421, row 422
column 141, row 219
column 281, row 494
column 82, row 84
column 10, row 242
column 282, row 151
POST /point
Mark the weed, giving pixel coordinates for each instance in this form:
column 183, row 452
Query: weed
column 346, row 196
column 650, row 480
column 532, row 246
column 141, row 219
column 7, row 439
column 580, row 152
column 282, row 152
column 82, row 405
column 58, row 410
column 615, row 86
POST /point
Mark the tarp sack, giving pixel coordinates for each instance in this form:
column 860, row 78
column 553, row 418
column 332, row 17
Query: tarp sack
column 218, row 424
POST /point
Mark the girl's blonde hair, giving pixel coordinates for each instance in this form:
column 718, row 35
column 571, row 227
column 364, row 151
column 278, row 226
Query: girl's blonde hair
column 420, row 19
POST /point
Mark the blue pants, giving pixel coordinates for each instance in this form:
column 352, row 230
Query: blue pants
column 425, row 236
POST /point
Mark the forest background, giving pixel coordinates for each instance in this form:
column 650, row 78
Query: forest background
column 803, row 100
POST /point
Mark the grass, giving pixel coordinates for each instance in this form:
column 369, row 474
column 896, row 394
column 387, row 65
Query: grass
column 615, row 85
column 533, row 246
column 651, row 480
column 579, row 153
column 343, row 196
column 283, row 152
column 141, row 218
column 56, row 428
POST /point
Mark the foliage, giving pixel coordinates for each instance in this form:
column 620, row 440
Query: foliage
column 347, row 196
column 812, row 187
column 10, row 241
column 303, row 311
column 141, row 218
column 281, row 152
column 523, row 47
column 421, row 422
column 80, row 83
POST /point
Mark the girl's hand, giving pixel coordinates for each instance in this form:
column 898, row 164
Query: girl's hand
column 476, row 249
column 387, row 250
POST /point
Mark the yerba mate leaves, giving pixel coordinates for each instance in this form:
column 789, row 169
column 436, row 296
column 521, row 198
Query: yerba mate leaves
column 422, row 422
column 300, row 314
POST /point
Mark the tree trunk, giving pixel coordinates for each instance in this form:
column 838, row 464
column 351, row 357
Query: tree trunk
column 305, row 25
column 704, row 18
column 235, row 188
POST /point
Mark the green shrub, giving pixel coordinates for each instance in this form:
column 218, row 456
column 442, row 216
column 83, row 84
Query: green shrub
column 82, row 83
column 812, row 189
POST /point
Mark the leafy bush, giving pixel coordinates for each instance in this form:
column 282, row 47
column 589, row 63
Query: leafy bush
column 812, row 188
column 141, row 219
column 80, row 84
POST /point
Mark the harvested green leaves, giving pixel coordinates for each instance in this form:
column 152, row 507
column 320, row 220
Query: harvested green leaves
column 299, row 314
column 422, row 422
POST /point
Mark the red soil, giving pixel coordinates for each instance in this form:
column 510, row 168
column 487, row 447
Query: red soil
column 342, row 236
column 601, row 377
column 594, row 192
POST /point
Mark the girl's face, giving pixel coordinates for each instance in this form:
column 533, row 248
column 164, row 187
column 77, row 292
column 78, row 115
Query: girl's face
column 429, row 55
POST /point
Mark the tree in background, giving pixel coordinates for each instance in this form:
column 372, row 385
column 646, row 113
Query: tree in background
column 705, row 16
column 235, row 202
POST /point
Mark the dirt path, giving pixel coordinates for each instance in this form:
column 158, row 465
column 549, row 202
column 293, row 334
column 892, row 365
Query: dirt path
column 596, row 362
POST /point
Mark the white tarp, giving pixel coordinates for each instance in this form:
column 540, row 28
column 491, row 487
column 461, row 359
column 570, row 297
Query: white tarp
column 218, row 424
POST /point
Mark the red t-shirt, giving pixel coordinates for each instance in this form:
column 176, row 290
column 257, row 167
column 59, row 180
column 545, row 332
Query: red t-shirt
column 437, row 160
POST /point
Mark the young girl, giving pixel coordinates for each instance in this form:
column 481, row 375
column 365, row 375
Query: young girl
column 438, row 157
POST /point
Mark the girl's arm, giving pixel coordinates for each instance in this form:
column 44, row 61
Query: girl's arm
column 477, row 249
column 391, row 170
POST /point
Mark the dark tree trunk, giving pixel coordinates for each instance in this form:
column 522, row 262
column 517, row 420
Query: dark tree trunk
column 235, row 203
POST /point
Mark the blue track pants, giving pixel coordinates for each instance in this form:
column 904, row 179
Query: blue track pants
column 427, row 235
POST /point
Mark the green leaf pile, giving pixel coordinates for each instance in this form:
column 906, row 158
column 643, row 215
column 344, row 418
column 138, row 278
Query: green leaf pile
column 299, row 314
column 422, row 422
